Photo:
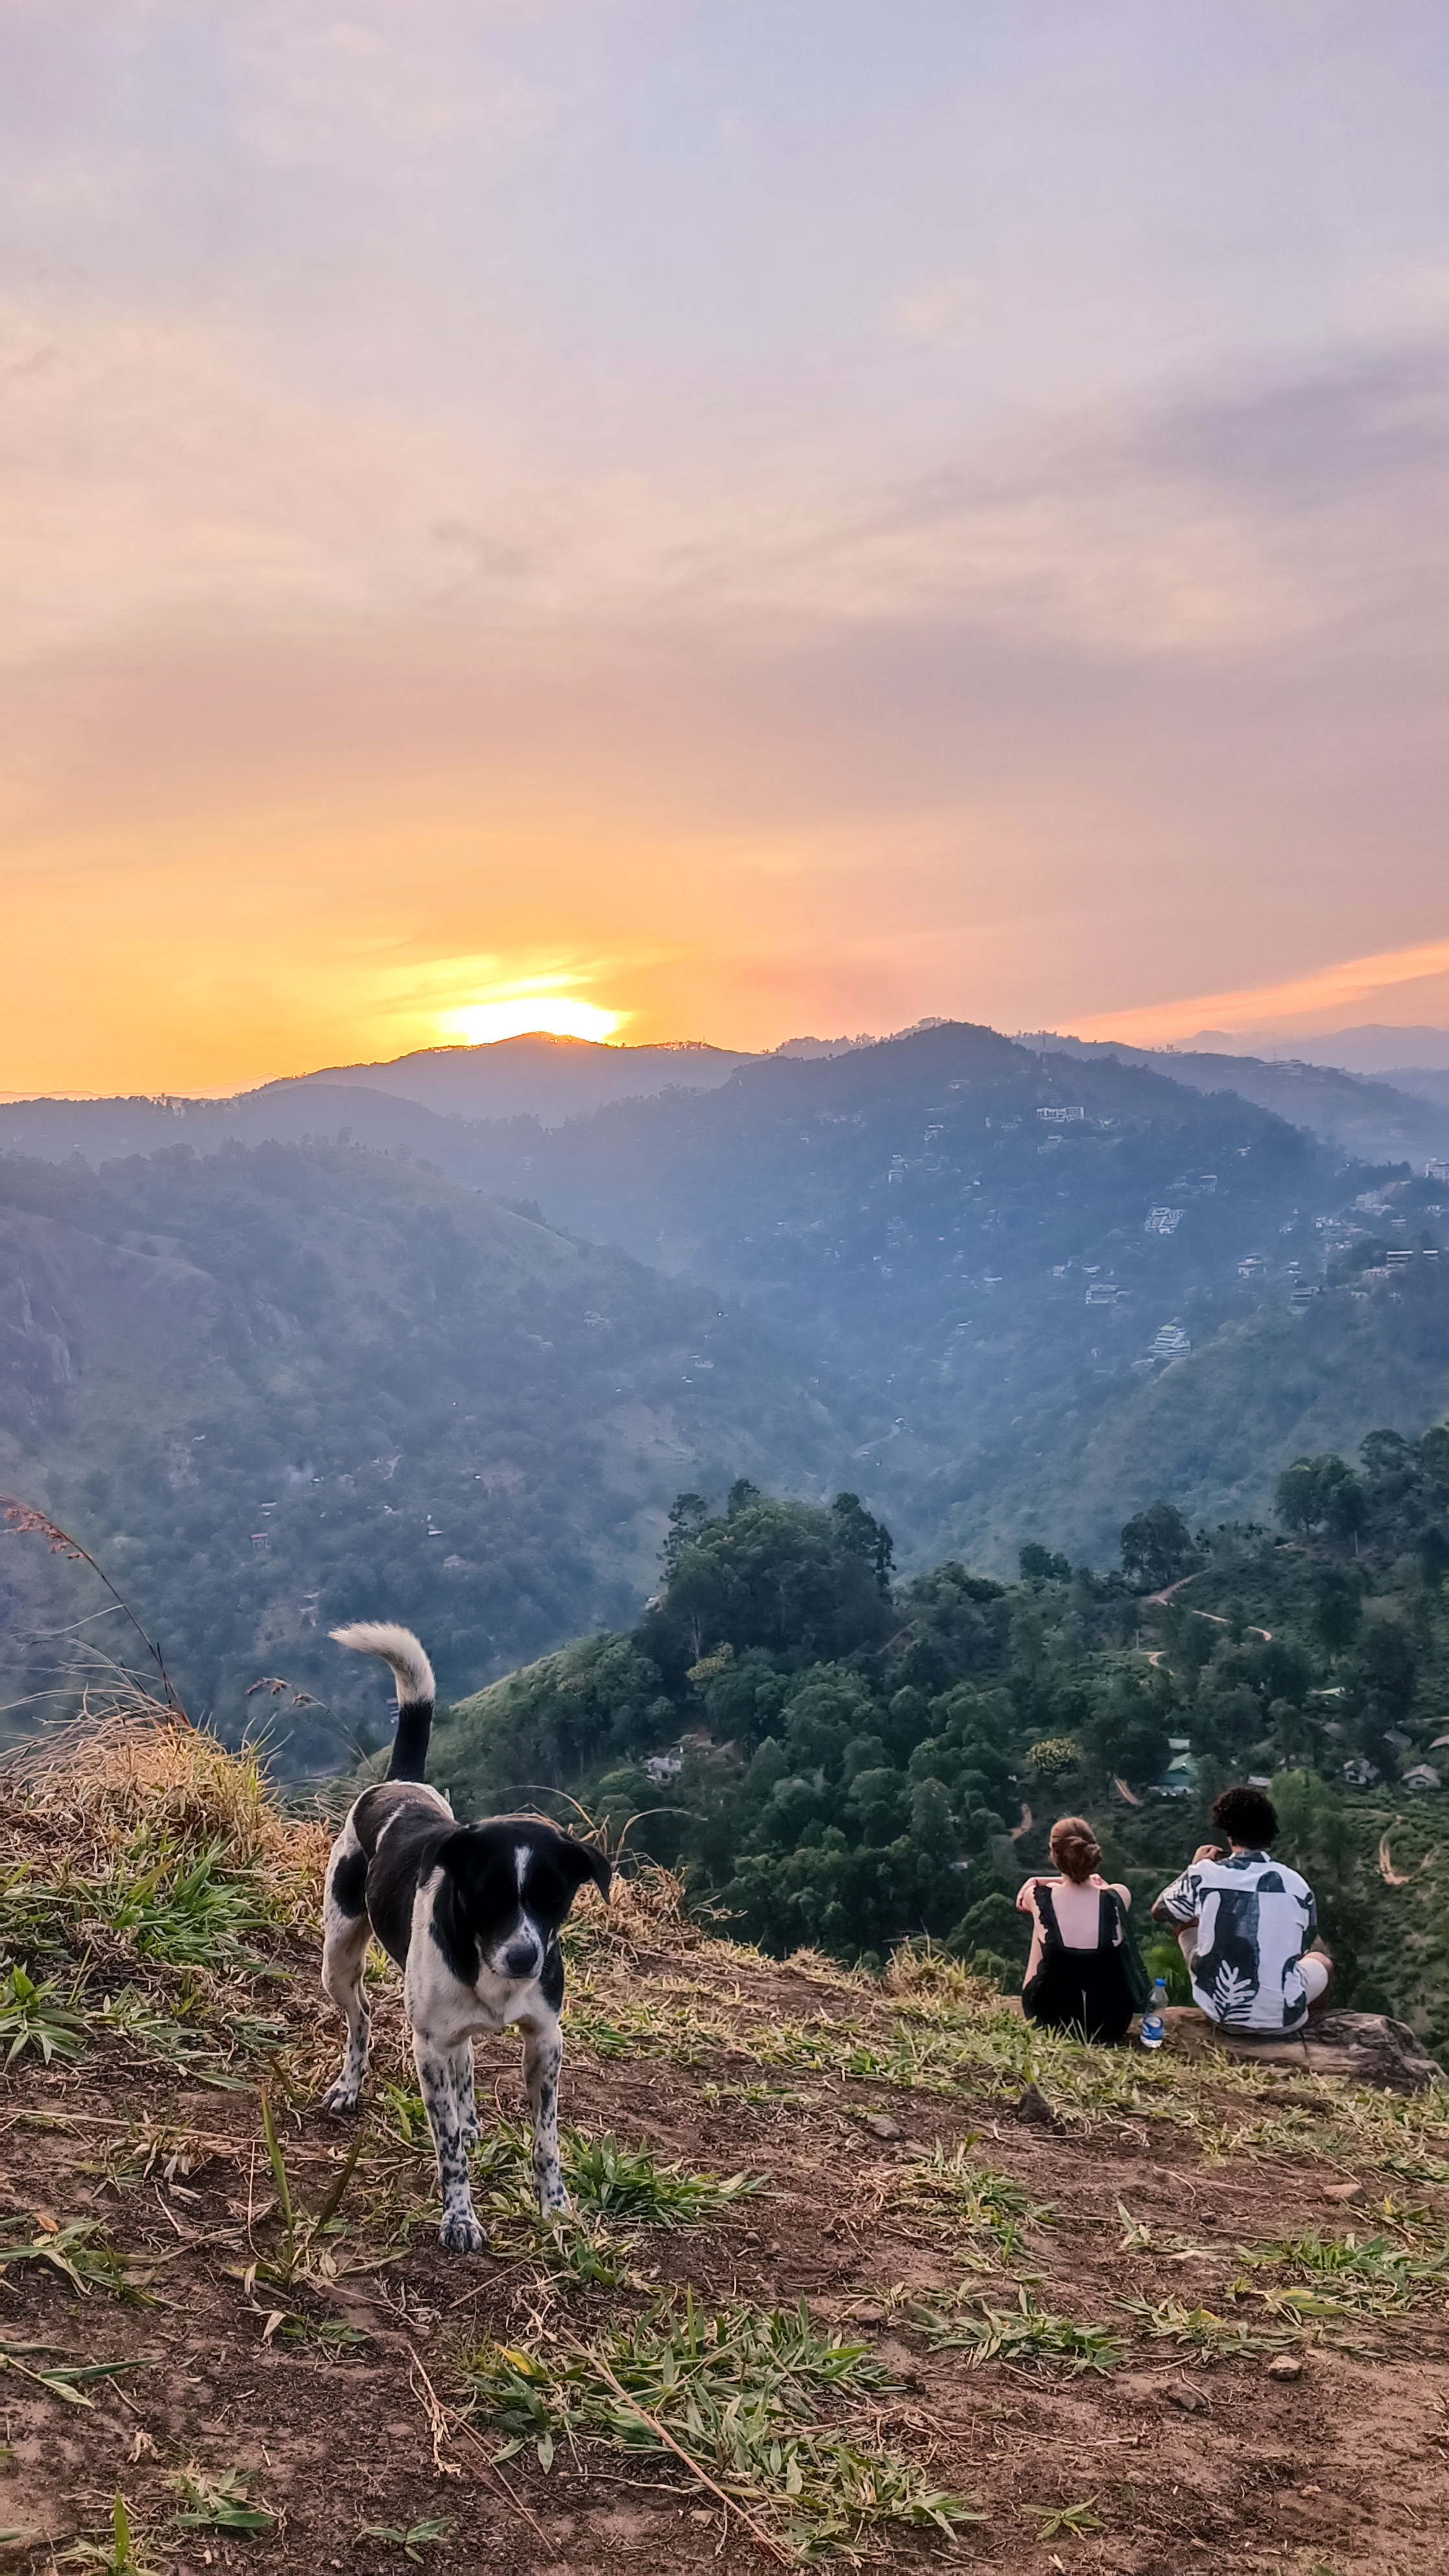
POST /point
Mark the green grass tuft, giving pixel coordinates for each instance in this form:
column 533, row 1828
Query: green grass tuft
column 608, row 2180
column 32, row 2016
column 1025, row 2335
column 742, row 2394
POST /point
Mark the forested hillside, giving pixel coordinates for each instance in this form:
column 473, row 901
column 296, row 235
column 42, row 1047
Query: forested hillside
column 1006, row 1298
column 839, row 1759
column 272, row 1389
column 1377, row 1119
column 989, row 1242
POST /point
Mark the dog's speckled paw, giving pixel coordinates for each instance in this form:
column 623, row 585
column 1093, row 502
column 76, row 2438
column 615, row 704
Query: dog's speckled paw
column 340, row 2101
column 461, row 2234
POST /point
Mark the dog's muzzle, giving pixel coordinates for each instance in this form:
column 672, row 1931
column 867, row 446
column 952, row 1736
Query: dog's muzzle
column 521, row 1958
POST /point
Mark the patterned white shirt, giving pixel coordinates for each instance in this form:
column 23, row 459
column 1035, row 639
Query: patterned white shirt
column 1255, row 1918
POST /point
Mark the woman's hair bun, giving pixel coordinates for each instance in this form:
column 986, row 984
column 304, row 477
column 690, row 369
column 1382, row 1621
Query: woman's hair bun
column 1075, row 1847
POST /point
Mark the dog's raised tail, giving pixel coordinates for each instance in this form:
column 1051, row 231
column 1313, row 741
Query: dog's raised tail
column 416, row 1689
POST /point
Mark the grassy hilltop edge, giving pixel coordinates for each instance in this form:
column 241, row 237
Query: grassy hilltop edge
column 861, row 2266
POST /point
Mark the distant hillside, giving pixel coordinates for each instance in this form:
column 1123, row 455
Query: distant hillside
column 1393, row 1053
column 1428, row 1085
column 1369, row 1118
column 989, row 1241
column 1016, row 1295
column 275, row 1388
column 541, row 1077
column 416, row 1100
column 283, row 1113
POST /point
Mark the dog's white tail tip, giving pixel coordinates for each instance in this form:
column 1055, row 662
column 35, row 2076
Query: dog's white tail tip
column 399, row 1649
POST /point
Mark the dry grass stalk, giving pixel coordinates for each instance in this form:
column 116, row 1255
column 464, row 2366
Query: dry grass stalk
column 646, row 1911
column 27, row 1522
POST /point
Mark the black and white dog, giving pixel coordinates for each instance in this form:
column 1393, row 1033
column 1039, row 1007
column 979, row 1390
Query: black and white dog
column 471, row 1913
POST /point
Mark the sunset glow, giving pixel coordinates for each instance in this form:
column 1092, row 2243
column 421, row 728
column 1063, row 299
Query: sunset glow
column 962, row 532
column 550, row 1014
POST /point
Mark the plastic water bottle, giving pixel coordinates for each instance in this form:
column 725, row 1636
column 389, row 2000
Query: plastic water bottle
column 1153, row 2029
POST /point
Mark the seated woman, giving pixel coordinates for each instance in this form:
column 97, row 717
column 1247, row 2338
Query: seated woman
column 1078, row 1976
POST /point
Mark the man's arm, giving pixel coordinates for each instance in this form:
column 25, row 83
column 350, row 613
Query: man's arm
column 1182, row 1901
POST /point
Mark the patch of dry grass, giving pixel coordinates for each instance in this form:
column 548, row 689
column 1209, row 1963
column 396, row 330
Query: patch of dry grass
column 128, row 1762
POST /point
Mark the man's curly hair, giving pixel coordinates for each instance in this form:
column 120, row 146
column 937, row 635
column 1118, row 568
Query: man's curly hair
column 1247, row 1817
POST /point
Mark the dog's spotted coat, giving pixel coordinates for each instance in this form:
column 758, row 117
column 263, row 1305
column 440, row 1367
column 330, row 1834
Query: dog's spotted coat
column 472, row 1914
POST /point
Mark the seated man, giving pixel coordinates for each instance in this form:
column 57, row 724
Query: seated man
column 1245, row 1924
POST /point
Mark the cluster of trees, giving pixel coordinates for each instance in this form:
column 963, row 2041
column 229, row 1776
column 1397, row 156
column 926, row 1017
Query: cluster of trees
column 1402, row 1495
column 837, row 1759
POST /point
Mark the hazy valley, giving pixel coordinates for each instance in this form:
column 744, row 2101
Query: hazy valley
column 1005, row 1295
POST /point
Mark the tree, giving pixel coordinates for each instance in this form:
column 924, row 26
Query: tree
column 1038, row 1565
column 1338, row 1607
column 785, row 1577
column 1157, row 1546
column 868, row 1537
column 688, row 1514
column 1389, row 1667
column 1321, row 1494
column 1053, row 1755
column 1433, row 1556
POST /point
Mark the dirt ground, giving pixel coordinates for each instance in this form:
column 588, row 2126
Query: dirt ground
column 1173, row 2463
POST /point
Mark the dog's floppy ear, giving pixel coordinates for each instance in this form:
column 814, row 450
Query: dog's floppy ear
column 584, row 1860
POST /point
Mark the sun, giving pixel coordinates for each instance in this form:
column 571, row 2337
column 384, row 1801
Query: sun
column 549, row 1014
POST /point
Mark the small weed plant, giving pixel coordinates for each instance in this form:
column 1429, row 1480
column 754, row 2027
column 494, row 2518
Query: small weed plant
column 48, row 2369
column 955, row 2195
column 1201, row 2331
column 622, row 2184
column 1350, row 2275
column 179, row 1908
column 123, row 2554
column 411, row 2542
column 303, row 2249
column 80, row 2249
column 1023, row 2336
column 34, row 2016
column 219, row 2501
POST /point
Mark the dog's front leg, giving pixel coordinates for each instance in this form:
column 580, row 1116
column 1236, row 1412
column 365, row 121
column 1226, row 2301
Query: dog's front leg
column 542, row 2059
column 466, row 2101
column 438, row 2082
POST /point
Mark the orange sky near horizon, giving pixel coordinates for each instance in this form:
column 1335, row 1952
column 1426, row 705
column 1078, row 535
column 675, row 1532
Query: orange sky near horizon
column 746, row 524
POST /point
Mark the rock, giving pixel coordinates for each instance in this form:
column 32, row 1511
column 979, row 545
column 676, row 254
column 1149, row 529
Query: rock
column 1371, row 2048
column 881, row 2125
column 1285, row 2365
column 1343, row 2191
column 1182, row 2393
column 1034, row 2108
column 1367, row 2048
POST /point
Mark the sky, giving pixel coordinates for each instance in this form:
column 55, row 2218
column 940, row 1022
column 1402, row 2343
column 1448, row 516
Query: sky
column 699, row 522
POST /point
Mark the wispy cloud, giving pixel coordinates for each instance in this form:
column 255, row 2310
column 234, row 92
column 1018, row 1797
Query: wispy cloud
column 1321, row 998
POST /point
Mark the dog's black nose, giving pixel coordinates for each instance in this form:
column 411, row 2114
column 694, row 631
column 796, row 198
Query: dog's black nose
column 520, row 1959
